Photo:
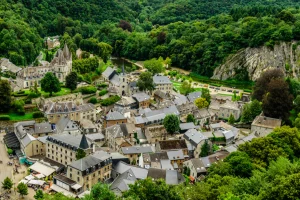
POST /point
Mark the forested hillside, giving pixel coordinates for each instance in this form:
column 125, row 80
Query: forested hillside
column 192, row 33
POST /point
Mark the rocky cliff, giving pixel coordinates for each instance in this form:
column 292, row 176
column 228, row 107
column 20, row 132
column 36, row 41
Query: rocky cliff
column 253, row 61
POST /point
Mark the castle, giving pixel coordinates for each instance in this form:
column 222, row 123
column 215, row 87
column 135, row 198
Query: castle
column 60, row 66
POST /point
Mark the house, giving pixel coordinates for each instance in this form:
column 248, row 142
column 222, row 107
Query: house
column 54, row 111
column 234, row 147
column 162, row 83
column 63, row 148
column 142, row 99
column 187, row 126
column 171, row 145
column 177, row 158
column 229, row 132
column 155, row 133
column 160, row 96
column 179, row 99
column 155, row 116
column 82, row 174
column 126, row 103
column 117, row 134
column 159, row 160
column 7, row 66
column 112, row 118
column 196, row 139
column 33, row 128
column 134, row 152
column 262, row 125
column 193, row 96
column 187, row 108
column 204, row 116
column 67, row 126
column 230, row 108
column 172, row 177
column 60, row 66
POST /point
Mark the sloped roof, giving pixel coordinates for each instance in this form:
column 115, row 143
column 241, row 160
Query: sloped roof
column 194, row 136
column 193, row 96
column 83, row 143
column 108, row 72
column 161, row 80
column 115, row 115
column 140, row 97
column 11, row 140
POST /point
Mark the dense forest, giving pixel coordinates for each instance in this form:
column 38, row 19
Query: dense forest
column 196, row 35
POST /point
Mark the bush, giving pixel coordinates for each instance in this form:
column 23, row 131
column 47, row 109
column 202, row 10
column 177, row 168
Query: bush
column 88, row 90
column 10, row 151
column 32, row 95
column 93, row 100
column 37, row 114
column 4, row 117
column 110, row 100
column 103, row 92
column 102, row 85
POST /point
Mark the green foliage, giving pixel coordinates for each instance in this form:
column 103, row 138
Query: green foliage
column 240, row 164
column 151, row 190
column 4, row 117
column 39, row 195
column 19, row 107
column 231, row 119
column 171, row 123
column 201, row 103
column 145, row 82
column 215, row 147
column 86, row 65
column 190, row 118
column 7, row 184
column 103, row 92
column 22, row 189
column 93, row 100
column 87, row 90
column 5, row 96
column 186, row 88
column 50, row 83
column 110, row 100
column 10, row 151
column 37, row 114
column 186, row 171
column 206, row 95
column 136, row 138
column 154, row 66
column 80, row 154
column 100, row 191
column 205, row 149
column 250, row 111
column 71, row 81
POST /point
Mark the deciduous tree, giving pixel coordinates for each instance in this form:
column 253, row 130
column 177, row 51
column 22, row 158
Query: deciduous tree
column 171, row 123
column 7, row 184
column 71, row 81
column 201, row 103
column 145, row 82
column 154, row 66
column 22, row 189
column 50, row 83
column 5, row 96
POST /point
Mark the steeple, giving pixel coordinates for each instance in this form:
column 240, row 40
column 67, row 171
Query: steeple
column 83, row 143
column 66, row 52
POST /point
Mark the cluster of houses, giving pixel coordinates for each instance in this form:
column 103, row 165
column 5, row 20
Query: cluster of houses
column 78, row 146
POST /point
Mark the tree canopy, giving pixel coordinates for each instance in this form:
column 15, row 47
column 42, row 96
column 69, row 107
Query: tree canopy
column 50, row 83
column 171, row 123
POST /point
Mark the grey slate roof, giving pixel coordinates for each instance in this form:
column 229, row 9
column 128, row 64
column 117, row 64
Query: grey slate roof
column 175, row 155
column 95, row 136
column 115, row 80
column 139, row 173
column 83, row 143
column 161, row 80
column 42, row 127
column 193, row 96
column 115, row 115
column 27, row 139
column 140, row 97
column 108, row 72
column 186, row 126
column 68, row 139
column 137, row 150
column 194, row 136
column 172, row 177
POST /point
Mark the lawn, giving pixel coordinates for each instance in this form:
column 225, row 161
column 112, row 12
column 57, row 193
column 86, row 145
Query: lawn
column 176, row 85
column 63, row 91
column 16, row 117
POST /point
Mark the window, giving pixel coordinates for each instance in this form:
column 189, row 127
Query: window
column 41, row 150
column 78, row 179
column 37, row 150
column 70, row 175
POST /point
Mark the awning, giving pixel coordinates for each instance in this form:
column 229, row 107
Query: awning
column 59, row 189
column 42, row 169
column 36, row 182
column 29, row 177
column 39, row 176
column 24, row 181
column 76, row 186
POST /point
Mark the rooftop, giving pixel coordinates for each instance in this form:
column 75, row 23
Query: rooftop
column 193, row 96
column 140, row 97
column 266, row 122
column 161, row 80
column 172, row 144
column 114, row 115
column 67, row 139
column 137, row 150
column 194, row 136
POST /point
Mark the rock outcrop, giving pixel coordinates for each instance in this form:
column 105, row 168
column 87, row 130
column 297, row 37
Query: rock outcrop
column 254, row 61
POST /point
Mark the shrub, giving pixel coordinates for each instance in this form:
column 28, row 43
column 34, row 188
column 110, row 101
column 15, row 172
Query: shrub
column 37, row 114
column 88, row 90
column 110, row 100
column 10, row 151
column 32, row 95
column 93, row 100
column 103, row 92
column 102, row 85
column 4, row 117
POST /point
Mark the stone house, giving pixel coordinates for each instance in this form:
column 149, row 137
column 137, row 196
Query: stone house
column 163, row 84
column 133, row 153
column 155, row 133
column 204, row 116
column 171, row 145
column 142, row 99
column 262, row 125
column 229, row 108
column 160, row 96
column 196, row 139
column 229, row 132
column 113, row 118
column 63, row 148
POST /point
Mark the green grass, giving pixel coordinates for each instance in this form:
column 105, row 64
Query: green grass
column 16, row 117
column 176, row 85
column 63, row 91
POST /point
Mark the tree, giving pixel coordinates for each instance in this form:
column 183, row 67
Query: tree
column 148, row 189
column 205, row 149
column 145, row 82
column 171, row 123
column 19, row 107
column 154, row 66
column 39, row 195
column 246, row 114
column 80, row 154
column 241, row 164
column 278, row 101
column 201, row 103
column 7, row 184
column 297, row 122
column 206, row 95
column 100, row 191
column 22, row 189
column 231, row 119
column 5, row 96
column 261, row 85
column 50, row 83
column 255, row 108
column 125, row 25
column 190, row 118
column 186, row 88
column 71, row 81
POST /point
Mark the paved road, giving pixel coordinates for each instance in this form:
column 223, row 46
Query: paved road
column 5, row 170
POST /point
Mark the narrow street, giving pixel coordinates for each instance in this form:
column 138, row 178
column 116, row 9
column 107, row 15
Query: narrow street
column 5, row 170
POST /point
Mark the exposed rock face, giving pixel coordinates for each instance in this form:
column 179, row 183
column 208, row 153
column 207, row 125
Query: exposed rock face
column 285, row 55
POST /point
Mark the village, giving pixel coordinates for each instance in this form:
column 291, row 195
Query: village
column 78, row 144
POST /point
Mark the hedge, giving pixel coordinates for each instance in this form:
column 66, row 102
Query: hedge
column 87, row 90
column 110, row 100
column 4, row 117
column 37, row 114
column 93, row 100
column 103, row 92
